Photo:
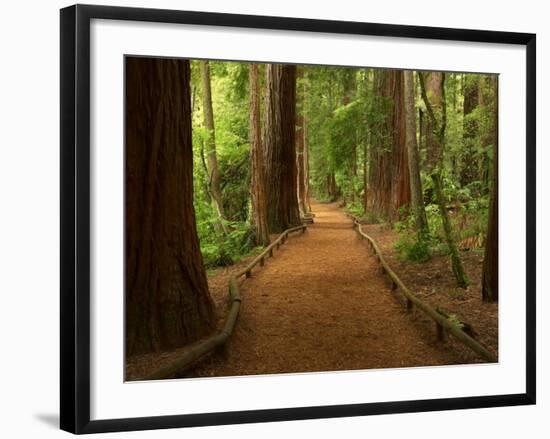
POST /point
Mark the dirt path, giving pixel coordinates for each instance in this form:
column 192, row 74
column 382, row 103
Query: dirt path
column 321, row 304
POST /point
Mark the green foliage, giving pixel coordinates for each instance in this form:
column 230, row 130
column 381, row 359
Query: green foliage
column 414, row 248
column 355, row 208
column 343, row 136
column 347, row 123
column 337, row 116
column 217, row 248
column 229, row 99
column 235, row 175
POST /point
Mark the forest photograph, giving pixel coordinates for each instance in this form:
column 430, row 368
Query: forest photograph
column 284, row 218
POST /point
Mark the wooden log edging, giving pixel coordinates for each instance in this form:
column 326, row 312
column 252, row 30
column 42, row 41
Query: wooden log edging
column 442, row 323
column 221, row 338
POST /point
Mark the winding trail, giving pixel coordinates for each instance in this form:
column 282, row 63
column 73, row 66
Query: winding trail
column 322, row 304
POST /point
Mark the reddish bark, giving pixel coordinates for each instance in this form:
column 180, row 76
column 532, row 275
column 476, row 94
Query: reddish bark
column 257, row 183
column 167, row 300
column 389, row 174
column 280, row 147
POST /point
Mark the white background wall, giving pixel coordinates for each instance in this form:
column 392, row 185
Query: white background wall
column 29, row 220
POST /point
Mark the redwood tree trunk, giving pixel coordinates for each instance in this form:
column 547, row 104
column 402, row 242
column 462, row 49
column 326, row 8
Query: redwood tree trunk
column 401, row 188
column 388, row 171
column 280, row 152
column 211, row 156
column 257, row 180
column 380, row 151
column 489, row 283
column 417, row 200
column 167, row 300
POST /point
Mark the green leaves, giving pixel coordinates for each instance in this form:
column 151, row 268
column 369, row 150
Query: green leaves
column 414, row 248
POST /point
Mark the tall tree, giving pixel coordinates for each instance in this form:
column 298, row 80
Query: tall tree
column 417, row 199
column 380, row 161
column 366, row 198
column 433, row 94
column 470, row 129
column 367, row 140
column 167, row 300
column 301, row 154
column 489, row 282
column 486, row 138
column 333, row 190
column 280, row 146
column 211, row 156
column 401, row 189
column 388, row 171
column 349, row 89
column 306, row 197
column 257, row 177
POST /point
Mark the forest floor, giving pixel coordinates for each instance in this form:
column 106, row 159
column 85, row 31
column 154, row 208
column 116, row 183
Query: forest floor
column 322, row 304
column 434, row 283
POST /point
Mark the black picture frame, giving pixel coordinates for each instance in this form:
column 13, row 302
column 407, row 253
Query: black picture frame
column 75, row 217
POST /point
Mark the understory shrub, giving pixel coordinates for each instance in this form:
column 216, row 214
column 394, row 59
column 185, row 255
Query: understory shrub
column 414, row 248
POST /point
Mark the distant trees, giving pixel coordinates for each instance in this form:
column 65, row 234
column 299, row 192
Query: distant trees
column 416, row 149
column 417, row 194
column 470, row 130
column 167, row 300
column 301, row 144
column 212, row 159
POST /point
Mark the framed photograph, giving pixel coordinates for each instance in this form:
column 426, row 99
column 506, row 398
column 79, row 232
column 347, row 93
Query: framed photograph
column 274, row 218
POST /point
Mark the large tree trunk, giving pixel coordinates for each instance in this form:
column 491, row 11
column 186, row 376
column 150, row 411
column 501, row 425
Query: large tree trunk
column 167, row 299
column 489, row 283
column 401, row 188
column 257, row 183
column 433, row 95
column 388, row 171
column 279, row 146
column 300, row 147
column 417, row 198
column 211, row 156
column 380, row 160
